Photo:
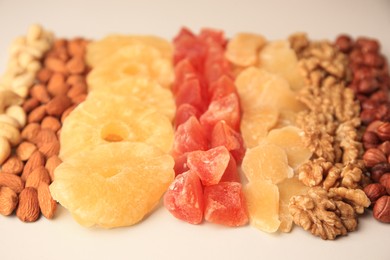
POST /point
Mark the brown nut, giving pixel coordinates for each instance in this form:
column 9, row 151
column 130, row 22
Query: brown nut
column 385, row 181
column 28, row 208
column 370, row 140
column 58, row 105
column 381, row 209
column 39, row 92
column 367, row 44
column 373, row 126
column 25, row 150
column 378, row 170
column 367, row 86
column 13, row 165
column 44, row 75
column 374, row 191
column 385, row 148
column 30, row 104
column 368, row 116
column 344, row 43
column 37, row 114
column 383, row 131
column 373, row 156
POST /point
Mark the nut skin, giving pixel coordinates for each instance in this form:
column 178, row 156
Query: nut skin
column 373, row 156
column 374, row 191
column 370, row 140
column 383, row 131
column 385, row 181
column 381, row 209
column 378, row 170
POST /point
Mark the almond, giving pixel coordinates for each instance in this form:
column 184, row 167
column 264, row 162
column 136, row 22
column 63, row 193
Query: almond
column 78, row 99
column 51, row 164
column 36, row 160
column 76, row 48
column 77, row 89
column 38, row 175
column 45, row 136
column 47, row 205
column 13, row 165
column 76, row 65
column 12, row 181
column 58, row 105
column 25, row 150
column 51, row 123
column 55, row 64
column 8, row 201
column 57, row 85
column 37, row 114
column 73, row 79
column 30, row 104
column 40, row 93
column 31, row 131
column 50, row 149
column 28, row 208
column 44, row 75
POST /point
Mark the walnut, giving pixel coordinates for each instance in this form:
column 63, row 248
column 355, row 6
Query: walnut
column 323, row 215
column 298, row 42
column 354, row 197
column 311, row 173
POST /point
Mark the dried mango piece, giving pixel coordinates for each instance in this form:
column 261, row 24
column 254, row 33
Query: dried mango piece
column 266, row 162
column 242, row 49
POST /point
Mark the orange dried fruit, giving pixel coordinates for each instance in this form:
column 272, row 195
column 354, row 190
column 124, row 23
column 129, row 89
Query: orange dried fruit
column 242, row 49
column 290, row 138
column 266, row 162
column 287, row 189
column 262, row 199
column 113, row 185
column 104, row 118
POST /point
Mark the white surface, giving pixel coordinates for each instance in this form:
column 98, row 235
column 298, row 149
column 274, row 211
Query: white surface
column 161, row 236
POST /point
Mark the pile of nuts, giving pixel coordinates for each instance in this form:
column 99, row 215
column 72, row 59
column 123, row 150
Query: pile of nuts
column 371, row 83
column 58, row 87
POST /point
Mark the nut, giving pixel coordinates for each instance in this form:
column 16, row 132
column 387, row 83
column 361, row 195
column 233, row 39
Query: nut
column 5, row 149
column 30, row 104
column 385, row 147
column 17, row 112
column 36, row 160
column 382, row 209
column 25, row 150
column 76, row 65
column 373, row 126
column 383, row 131
column 40, row 93
column 51, row 123
column 28, row 209
column 8, row 201
column 373, row 156
column 374, row 191
column 57, row 85
column 378, row 170
column 58, row 105
column 44, row 75
column 31, row 131
column 37, row 114
column 38, row 175
column 13, row 165
column 370, row 140
column 51, row 164
column 4, row 118
column 11, row 181
column 385, row 181
column 46, row 203
column 11, row 133
column 56, row 65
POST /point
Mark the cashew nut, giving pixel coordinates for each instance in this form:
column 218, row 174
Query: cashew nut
column 8, row 98
column 17, row 112
column 5, row 149
column 9, row 120
column 11, row 133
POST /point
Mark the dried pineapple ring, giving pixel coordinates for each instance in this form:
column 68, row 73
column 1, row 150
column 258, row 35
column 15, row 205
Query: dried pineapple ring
column 106, row 118
column 100, row 50
column 148, row 91
column 113, row 185
column 132, row 61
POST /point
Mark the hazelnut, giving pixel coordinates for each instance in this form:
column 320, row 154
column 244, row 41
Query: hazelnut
column 370, row 140
column 380, row 96
column 367, row 44
column 378, row 170
column 385, row 181
column 373, row 126
column 344, row 43
column 367, row 116
column 374, row 191
column 367, row 86
column 385, row 148
column 373, row 156
column 383, row 131
column 382, row 209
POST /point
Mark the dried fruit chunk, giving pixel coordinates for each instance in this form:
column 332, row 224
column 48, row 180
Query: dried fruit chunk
column 225, row 204
column 106, row 118
column 242, row 49
column 184, row 198
column 209, row 165
column 278, row 57
column 132, row 61
column 190, row 136
column 287, row 189
column 256, row 123
column 115, row 184
column 266, row 162
column 263, row 205
column 98, row 51
column 290, row 138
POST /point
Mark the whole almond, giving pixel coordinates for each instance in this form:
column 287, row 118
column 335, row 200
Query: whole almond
column 44, row 75
column 12, row 181
column 30, row 132
column 57, row 85
column 36, row 160
column 67, row 112
column 47, row 205
column 73, row 79
column 50, row 149
column 45, row 136
column 55, row 64
column 51, row 123
column 13, row 165
column 25, row 150
column 76, row 65
column 28, row 208
column 58, row 105
column 37, row 114
column 37, row 176
column 76, row 48
column 30, row 104
column 77, row 89
column 40, row 93
column 51, row 164
column 78, row 99
column 8, row 201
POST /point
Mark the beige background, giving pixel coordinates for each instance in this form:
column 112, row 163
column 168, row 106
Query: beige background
column 161, row 236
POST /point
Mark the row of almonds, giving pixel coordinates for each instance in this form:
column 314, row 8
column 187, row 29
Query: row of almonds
column 49, row 95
